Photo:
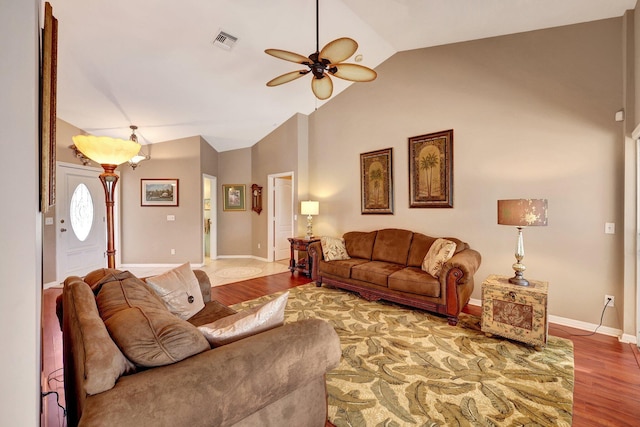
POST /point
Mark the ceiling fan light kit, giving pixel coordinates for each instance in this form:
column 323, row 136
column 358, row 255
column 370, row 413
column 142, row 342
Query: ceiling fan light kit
column 323, row 63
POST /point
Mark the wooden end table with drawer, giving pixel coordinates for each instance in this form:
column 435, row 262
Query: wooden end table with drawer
column 514, row 311
column 300, row 260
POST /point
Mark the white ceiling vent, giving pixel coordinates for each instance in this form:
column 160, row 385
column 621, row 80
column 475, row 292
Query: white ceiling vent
column 225, row 41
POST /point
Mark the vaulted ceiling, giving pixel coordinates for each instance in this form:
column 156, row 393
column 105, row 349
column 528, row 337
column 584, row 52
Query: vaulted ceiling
column 152, row 63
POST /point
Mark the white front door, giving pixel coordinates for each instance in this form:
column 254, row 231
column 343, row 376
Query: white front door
column 81, row 235
column 283, row 217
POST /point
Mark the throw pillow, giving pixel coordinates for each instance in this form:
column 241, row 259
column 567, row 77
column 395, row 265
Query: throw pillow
column 333, row 248
column 180, row 291
column 440, row 252
column 246, row 323
column 143, row 328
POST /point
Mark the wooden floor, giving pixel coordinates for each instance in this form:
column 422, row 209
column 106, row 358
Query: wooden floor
column 607, row 372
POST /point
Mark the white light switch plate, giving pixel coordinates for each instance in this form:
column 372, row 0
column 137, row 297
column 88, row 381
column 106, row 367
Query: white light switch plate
column 610, row 228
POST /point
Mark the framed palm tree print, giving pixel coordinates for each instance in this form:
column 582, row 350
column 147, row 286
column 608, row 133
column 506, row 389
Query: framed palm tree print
column 431, row 170
column 376, row 182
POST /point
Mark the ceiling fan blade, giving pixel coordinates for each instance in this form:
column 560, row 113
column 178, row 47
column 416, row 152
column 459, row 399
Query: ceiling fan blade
column 287, row 56
column 353, row 72
column 322, row 88
column 339, row 50
column 286, row 78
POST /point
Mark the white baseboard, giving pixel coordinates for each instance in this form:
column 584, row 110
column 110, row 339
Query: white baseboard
column 242, row 257
column 577, row 324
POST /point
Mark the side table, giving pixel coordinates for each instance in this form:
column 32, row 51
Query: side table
column 300, row 260
column 514, row 311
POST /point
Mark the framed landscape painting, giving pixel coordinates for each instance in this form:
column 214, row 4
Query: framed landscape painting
column 234, row 197
column 376, row 182
column 159, row 192
column 431, row 170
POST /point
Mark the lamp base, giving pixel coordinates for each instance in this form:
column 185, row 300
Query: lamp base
column 520, row 281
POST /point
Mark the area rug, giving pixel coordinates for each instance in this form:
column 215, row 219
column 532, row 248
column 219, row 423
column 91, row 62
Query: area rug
column 238, row 272
column 405, row 367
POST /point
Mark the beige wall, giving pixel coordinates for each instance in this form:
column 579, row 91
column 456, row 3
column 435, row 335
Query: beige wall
column 234, row 227
column 20, row 219
column 533, row 117
column 147, row 237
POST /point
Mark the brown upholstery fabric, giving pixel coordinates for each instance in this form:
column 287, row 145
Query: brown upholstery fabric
column 419, row 247
column 392, row 245
column 415, row 281
column 375, row 272
column 225, row 385
column 341, row 268
column 359, row 244
column 103, row 361
column 146, row 332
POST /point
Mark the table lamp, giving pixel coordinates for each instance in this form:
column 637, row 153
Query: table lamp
column 309, row 208
column 521, row 213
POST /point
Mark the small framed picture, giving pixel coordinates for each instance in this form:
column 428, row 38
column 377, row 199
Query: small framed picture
column 234, row 197
column 376, row 182
column 159, row 192
column 431, row 170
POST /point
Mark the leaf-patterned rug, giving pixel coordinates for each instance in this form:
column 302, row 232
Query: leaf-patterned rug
column 404, row 367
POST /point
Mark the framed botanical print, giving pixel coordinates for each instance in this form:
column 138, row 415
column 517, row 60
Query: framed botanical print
column 159, row 192
column 234, row 197
column 431, row 170
column 376, row 182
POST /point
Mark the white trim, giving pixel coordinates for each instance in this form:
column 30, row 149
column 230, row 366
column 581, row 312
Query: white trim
column 243, row 257
column 271, row 185
column 52, row 285
column 578, row 324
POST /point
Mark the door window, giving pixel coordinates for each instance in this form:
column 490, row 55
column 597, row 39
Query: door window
column 81, row 212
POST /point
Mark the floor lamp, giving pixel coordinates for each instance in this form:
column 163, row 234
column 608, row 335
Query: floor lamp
column 109, row 153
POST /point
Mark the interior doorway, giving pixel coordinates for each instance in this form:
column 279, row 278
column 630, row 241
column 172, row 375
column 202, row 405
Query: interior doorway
column 209, row 229
column 81, row 230
column 281, row 216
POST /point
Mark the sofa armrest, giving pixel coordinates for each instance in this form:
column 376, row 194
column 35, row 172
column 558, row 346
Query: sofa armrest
column 205, row 284
column 221, row 386
column 315, row 253
column 467, row 261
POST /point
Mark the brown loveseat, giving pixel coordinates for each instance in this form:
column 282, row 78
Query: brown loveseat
column 274, row 378
column 386, row 264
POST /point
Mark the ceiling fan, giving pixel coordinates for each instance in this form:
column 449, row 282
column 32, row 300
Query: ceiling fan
column 323, row 63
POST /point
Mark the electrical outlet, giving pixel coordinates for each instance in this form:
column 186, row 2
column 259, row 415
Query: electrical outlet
column 609, row 303
column 258, row 245
column 173, row 251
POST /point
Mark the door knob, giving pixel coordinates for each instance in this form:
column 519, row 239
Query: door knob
column 63, row 230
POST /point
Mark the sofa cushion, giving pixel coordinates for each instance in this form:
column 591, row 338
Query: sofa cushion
column 339, row 268
column 104, row 363
column 246, row 323
column 440, row 252
column 140, row 324
column 392, row 245
column 179, row 289
column 333, row 248
column 420, row 245
column 415, row 281
column 375, row 272
column 211, row 312
column 360, row 244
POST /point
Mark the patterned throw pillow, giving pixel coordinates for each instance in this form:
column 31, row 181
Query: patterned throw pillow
column 246, row 323
column 333, row 248
column 440, row 252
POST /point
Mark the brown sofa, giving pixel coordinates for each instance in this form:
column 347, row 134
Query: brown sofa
column 273, row 378
column 386, row 264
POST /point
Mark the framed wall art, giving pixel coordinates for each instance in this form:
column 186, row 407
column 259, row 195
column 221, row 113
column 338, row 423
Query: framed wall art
column 48, row 93
column 431, row 170
column 376, row 182
column 159, row 192
column 234, row 197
